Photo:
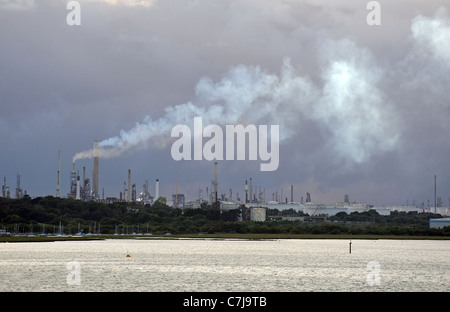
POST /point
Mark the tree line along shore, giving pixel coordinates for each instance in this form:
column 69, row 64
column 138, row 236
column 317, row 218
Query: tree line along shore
column 52, row 218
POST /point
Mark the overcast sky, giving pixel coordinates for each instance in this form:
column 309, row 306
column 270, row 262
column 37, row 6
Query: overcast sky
column 363, row 110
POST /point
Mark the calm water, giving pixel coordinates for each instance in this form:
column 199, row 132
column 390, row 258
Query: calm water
column 226, row 265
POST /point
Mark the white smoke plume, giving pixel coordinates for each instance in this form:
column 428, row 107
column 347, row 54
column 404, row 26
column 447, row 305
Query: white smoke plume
column 250, row 95
column 355, row 116
column 432, row 36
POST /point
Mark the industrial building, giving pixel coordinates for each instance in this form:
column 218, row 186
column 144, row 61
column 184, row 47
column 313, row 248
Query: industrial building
column 313, row 209
column 83, row 189
column 439, row 223
column 19, row 192
column 178, row 201
column 256, row 199
column 228, row 205
column 145, row 196
column 5, row 189
column 79, row 189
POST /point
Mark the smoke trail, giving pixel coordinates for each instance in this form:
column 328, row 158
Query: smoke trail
column 229, row 101
column 250, row 95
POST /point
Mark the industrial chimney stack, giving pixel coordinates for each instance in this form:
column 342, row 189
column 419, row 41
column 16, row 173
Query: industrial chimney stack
column 58, row 183
column 292, row 193
column 251, row 192
column 77, row 196
column 129, row 186
column 246, row 191
column 157, row 189
column 215, row 181
column 95, row 184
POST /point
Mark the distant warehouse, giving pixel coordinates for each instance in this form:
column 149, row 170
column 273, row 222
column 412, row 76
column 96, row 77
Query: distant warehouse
column 439, row 223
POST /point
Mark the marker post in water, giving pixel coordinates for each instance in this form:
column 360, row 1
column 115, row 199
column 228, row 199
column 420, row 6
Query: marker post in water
column 350, row 246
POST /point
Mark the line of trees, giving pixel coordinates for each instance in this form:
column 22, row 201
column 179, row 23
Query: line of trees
column 36, row 214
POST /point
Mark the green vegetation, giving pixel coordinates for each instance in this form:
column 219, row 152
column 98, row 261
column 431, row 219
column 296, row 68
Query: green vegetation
column 45, row 214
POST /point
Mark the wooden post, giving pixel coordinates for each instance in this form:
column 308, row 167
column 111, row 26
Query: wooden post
column 350, row 246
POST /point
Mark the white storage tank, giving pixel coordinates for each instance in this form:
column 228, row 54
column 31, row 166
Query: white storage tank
column 258, row 214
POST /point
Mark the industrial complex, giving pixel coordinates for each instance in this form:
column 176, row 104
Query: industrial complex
column 86, row 189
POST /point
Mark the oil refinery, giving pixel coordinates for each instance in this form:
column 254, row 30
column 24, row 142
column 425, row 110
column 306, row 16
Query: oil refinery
column 86, row 187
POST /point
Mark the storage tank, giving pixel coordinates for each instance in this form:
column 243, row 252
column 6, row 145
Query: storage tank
column 258, row 214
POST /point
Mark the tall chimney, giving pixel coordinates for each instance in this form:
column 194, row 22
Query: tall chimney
column 84, row 179
column 434, row 193
column 215, row 181
column 176, row 195
column 246, row 191
column 4, row 187
column 292, row 193
column 95, row 184
column 157, row 189
column 129, row 186
column 58, row 183
column 18, row 188
column 73, row 182
column 251, row 192
column 77, row 195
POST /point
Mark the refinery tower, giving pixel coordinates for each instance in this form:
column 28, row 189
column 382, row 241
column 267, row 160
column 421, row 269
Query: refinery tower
column 95, row 187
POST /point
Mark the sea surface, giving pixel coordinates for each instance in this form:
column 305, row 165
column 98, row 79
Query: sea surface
column 210, row 265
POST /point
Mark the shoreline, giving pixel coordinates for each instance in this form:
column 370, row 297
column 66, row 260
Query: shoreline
column 219, row 236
